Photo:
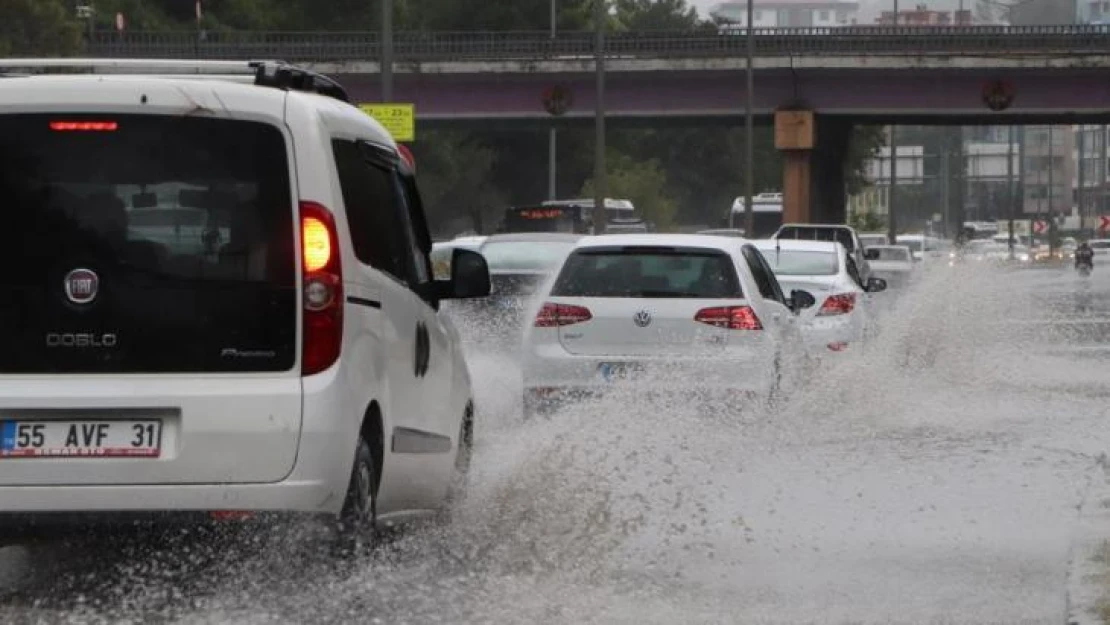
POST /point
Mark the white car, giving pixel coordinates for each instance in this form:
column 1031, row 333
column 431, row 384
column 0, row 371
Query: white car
column 824, row 269
column 873, row 239
column 287, row 357
column 894, row 264
column 645, row 305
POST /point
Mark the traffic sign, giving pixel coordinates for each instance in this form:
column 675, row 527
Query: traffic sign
column 1039, row 227
column 1104, row 223
column 398, row 119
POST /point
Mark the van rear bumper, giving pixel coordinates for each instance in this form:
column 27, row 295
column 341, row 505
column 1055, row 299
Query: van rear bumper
column 290, row 496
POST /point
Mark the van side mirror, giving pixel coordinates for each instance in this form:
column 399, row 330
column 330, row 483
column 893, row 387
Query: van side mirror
column 800, row 300
column 469, row 276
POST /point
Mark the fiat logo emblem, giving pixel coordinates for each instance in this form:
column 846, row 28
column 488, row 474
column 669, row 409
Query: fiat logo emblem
column 81, row 286
column 642, row 318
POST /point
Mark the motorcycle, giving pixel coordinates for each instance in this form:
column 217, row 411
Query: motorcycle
column 1084, row 269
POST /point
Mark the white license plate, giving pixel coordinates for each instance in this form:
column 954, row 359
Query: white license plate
column 88, row 439
column 612, row 371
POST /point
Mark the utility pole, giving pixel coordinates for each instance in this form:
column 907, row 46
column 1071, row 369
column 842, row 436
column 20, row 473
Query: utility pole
column 1050, row 215
column 946, row 192
column 1010, row 191
column 600, row 217
column 891, row 223
column 387, row 51
column 1080, row 194
column 1102, row 173
column 749, row 129
column 552, row 134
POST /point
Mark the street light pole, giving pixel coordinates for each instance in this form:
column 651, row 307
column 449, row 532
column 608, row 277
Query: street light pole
column 552, row 134
column 599, row 215
column 1010, row 190
column 891, row 224
column 749, row 128
column 387, row 51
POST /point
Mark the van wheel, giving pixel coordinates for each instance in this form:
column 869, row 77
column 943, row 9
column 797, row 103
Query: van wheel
column 463, row 456
column 355, row 531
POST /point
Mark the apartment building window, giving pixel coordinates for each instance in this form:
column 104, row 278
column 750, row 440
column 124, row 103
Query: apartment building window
column 823, row 16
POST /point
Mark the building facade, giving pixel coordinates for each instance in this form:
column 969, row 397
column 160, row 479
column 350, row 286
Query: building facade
column 788, row 13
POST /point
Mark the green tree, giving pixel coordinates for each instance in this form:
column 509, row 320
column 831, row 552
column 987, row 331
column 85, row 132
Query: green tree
column 455, row 180
column 38, row 28
column 138, row 15
column 637, row 15
column 643, row 182
column 863, row 146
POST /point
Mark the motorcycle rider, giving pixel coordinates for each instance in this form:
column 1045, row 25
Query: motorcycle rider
column 1084, row 255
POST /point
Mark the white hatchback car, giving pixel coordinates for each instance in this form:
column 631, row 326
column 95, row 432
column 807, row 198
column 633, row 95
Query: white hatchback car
column 624, row 306
column 281, row 351
column 828, row 272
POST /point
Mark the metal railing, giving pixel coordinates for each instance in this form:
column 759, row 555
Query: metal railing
column 536, row 46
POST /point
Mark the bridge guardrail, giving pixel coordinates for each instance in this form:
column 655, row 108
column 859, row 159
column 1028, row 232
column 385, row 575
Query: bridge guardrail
column 510, row 45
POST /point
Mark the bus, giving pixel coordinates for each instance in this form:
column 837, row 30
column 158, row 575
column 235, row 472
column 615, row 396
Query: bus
column 572, row 216
column 766, row 211
column 541, row 218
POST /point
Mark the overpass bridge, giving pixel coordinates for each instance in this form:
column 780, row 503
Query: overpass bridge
column 836, row 76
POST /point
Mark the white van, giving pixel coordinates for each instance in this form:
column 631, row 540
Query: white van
column 285, row 353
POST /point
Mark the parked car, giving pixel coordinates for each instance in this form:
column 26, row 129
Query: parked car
column 826, row 270
column 624, row 306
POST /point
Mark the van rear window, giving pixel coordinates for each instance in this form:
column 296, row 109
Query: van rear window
column 146, row 243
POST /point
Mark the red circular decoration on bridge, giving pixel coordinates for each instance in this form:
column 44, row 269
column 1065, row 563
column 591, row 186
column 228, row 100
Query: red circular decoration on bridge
column 998, row 95
column 558, row 99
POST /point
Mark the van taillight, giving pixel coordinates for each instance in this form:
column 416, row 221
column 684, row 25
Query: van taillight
column 841, row 304
column 555, row 315
column 731, row 317
column 322, row 284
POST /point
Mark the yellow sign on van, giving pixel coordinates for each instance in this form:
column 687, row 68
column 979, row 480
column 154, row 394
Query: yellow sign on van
column 398, row 119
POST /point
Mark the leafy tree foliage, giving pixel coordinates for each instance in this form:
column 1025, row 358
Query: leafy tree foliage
column 38, row 28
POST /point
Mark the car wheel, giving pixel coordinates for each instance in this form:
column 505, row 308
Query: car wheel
column 355, row 529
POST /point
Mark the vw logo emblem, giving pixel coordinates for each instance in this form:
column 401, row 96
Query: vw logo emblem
column 81, row 286
column 642, row 318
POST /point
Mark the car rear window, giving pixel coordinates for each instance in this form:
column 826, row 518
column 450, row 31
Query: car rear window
column 812, row 233
column 802, row 263
column 892, row 254
column 186, row 225
column 648, row 272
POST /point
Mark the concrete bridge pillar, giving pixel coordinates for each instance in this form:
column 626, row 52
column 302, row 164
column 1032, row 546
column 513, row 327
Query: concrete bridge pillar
column 813, row 166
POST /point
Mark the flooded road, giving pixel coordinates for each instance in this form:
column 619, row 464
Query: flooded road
column 930, row 477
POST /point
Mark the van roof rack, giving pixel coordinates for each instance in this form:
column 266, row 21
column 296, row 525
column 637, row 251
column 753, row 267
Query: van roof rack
column 265, row 73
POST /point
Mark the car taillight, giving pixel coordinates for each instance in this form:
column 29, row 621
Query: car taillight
column 62, row 126
column 555, row 315
column 731, row 317
column 322, row 283
column 840, row 304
